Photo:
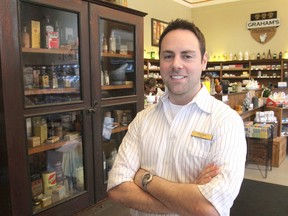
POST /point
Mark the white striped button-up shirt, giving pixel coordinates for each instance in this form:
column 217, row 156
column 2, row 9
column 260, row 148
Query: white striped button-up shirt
column 163, row 145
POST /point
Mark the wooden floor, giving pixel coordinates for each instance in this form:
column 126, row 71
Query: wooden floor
column 106, row 208
column 276, row 176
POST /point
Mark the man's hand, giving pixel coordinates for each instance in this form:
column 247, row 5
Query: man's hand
column 207, row 174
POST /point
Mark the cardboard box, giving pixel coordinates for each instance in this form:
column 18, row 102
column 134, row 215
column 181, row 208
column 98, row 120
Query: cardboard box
column 258, row 130
column 33, row 141
column 257, row 153
column 35, row 34
column 279, row 150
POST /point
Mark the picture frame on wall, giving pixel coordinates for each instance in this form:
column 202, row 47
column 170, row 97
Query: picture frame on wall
column 157, row 27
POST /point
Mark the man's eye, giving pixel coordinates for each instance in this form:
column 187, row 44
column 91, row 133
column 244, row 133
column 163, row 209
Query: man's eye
column 188, row 56
column 167, row 56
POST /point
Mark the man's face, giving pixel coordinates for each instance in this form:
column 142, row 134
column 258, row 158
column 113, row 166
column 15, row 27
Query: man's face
column 181, row 64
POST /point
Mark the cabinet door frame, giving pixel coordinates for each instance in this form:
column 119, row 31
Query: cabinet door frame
column 16, row 180
column 97, row 12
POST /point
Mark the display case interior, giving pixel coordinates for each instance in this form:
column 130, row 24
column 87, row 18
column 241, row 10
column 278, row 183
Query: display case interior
column 55, row 150
column 115, row 124
column 50, row 55
column 118, row 72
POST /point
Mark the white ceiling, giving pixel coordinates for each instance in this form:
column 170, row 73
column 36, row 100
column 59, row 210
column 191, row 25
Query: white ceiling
column 202, row 3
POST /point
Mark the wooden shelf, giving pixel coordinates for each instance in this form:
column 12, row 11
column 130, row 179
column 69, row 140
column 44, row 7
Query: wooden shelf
column 235, row 69
column 46, row 147
column 116, row 55
column 51, row 91
column 47, row 51
column 115, row 87
column 119, row 129
column 235, row 77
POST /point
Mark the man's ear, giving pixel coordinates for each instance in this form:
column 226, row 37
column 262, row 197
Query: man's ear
column 204, row 61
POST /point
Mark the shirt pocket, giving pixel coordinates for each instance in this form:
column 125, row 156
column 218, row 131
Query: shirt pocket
column 199, row 147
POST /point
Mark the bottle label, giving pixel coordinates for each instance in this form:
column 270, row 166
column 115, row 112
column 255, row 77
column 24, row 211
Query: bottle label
column 45, row 81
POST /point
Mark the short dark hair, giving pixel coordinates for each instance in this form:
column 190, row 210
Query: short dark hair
column 150, row 82
column 185, row 25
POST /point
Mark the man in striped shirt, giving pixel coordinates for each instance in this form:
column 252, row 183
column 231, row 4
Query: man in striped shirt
column 186, row 154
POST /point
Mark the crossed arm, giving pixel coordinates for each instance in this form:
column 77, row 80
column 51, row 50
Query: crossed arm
column 164, row 196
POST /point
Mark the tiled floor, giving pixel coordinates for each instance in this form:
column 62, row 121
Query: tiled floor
column 276, row 176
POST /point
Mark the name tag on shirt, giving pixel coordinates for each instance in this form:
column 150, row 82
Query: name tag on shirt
column 202, row 135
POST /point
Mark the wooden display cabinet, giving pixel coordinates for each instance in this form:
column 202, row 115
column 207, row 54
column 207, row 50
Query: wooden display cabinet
column 42, row 126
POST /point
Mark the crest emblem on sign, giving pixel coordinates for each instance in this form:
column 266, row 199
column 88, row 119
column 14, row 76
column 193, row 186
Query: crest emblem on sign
column 263, row 26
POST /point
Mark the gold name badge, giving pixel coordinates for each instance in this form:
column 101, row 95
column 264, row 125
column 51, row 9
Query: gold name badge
column 202, row 135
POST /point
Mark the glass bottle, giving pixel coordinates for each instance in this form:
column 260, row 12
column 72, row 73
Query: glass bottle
column 280, row 55
column 48, row 28
column 57, row 31
column 44, row 78
column 112, row 43
column 106, row 78
column 25, row 38
column 263, row 55
column 53, row 78
column 258, row 56
column 269, row 55
column 104, row 44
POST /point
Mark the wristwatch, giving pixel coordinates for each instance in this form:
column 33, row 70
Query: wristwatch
column 146, row 179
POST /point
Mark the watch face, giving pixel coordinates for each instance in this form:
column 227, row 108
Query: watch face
column 147, row 177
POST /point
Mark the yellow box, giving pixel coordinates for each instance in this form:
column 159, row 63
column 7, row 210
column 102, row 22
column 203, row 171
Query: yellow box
column 33, row 141
column 35, row 34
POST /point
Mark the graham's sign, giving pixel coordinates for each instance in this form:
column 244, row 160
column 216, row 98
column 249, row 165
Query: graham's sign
column 263, row 26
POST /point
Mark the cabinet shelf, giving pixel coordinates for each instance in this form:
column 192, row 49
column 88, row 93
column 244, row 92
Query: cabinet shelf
column 120, row 129
column 115, row 87
column 235, row 77
column 46, row 147
column 235, row 69
column 47, row 51
column 116, row 55
column 268, row 77
column 51, row 91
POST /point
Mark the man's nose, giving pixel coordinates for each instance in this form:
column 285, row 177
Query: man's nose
column 177, row 63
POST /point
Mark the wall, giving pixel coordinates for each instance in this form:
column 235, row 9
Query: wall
column 164, row 10
column 223, row 25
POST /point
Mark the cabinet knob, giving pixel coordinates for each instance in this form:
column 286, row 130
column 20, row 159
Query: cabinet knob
column 91, row 110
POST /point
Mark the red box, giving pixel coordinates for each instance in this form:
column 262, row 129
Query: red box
column 271, row 102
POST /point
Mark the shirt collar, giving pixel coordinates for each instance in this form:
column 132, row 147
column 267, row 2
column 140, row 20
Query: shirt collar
column 202, row 99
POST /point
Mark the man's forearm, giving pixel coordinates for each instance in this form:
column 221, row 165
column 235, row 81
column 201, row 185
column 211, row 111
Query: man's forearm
column 183, row 199
column 131, row 196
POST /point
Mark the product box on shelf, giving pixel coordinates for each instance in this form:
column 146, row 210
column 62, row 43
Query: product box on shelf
column 258, row 130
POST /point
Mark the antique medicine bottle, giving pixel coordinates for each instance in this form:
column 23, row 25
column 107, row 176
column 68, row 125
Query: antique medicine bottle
column 25, row 38
column 112, row 43
column 44, row 78
column 47, row 29
column 104, row 44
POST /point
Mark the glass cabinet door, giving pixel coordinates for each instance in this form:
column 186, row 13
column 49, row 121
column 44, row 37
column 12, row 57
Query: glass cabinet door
column 50, row 55
column 52, row 75
column 117, row 82
column 55, row 152
column 117, row 59
column 115, row 124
